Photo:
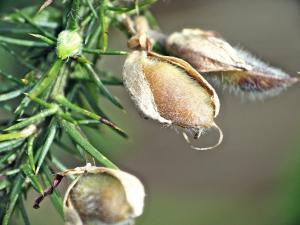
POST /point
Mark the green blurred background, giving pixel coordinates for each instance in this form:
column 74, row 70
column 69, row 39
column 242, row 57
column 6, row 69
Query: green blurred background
column 254, row 177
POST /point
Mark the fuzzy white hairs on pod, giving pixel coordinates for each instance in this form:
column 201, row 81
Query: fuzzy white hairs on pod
column 229, row 67
column 251, row 87
column 138, row 87
column 259, row 66
column 267, row 70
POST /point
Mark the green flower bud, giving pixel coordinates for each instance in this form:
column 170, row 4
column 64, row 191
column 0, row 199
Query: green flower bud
column 69, row 43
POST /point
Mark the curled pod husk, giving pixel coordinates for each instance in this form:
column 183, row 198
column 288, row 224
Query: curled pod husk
column 209, row 54
column 170, row 91
column 100, row 196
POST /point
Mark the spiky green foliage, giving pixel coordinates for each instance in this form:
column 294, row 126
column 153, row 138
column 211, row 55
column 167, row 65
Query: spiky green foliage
column 46, row 101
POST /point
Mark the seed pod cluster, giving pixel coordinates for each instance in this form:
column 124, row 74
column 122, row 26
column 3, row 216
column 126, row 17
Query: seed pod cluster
column 209, row 54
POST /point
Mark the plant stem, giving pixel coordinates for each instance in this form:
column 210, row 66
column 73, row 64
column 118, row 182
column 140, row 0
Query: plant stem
column 103, row 23
column 74, row 15
column 104, row 52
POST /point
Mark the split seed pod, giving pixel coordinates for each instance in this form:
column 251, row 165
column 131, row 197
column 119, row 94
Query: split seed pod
column 170, row 91
column 208, row 53
column 102, row 196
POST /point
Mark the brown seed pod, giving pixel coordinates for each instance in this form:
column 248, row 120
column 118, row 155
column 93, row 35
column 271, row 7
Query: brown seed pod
column 99, row 196
column 171, row 91
column 204, row 50
column 102, row 196
column 208, row 53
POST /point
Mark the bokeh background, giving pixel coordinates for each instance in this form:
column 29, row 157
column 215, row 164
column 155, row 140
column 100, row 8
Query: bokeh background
column 254, row 176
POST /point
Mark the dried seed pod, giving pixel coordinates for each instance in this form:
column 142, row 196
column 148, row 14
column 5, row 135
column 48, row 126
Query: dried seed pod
column 260, row 81
column 204, row 50
column 99, row 196
column 209, row 53
column 171, row 91
column 103, row 196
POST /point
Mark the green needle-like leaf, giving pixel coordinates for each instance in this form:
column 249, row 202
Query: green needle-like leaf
column 34, row 119
column 41, row 102
column 72, row 131
column 10, row 145
column 4, row 184
column 11, row 172
column 42, row 85
column 28, row 131
column 6, row 157
column 26, row 168
column 65, row 102
column 10, row 77
column 11, row 95
column 93, row 10
column 30, row 152
column 35, row 26
column 13, row 198
column 44, row 39
column 16, row 56
column 23, row 212
column 104, row 27
column 21, row 42
column 47, row 79
column 101, row 86
column 91, row 98
column 46, row 146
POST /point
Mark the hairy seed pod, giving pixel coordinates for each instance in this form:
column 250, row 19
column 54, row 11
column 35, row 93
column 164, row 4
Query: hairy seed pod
column 218, row 60
column 170, row 91
column 69, row 43
column 103, row 196
column 204, row 50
